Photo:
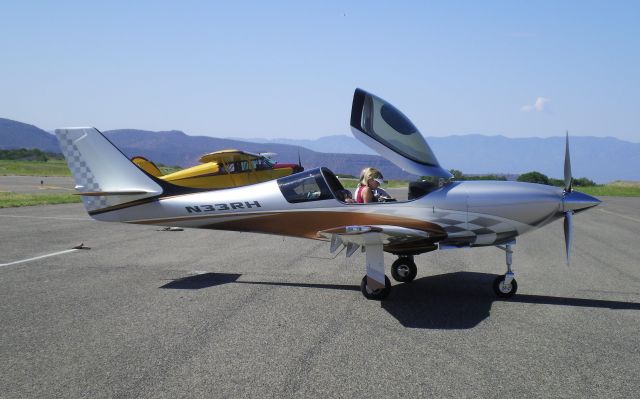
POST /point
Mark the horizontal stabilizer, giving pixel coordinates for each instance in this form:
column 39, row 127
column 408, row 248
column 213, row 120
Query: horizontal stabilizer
column 106, row 193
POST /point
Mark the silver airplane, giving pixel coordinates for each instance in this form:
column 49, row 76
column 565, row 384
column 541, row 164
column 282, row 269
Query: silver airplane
column 436, row 216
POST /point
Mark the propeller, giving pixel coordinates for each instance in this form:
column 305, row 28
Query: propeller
column 568, row 233
column 572, row 201
column 300, row 167
column 567, row 167
column 568, row 215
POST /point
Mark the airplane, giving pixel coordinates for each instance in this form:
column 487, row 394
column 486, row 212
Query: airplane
column 437, row 216
column 223, row 169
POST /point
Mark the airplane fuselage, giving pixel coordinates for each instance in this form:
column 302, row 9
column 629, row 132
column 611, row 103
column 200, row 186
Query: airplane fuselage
column 467, row 213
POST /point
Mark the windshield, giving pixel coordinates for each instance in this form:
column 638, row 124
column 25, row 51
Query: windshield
column 305, row 186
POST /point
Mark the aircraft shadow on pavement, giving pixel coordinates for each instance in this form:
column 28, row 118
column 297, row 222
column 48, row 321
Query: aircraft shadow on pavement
column 207, row 280
column 459, row 300
column 204, row 280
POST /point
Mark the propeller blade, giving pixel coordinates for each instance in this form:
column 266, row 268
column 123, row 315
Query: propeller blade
column 568, row 234
column 567, row 167
column 299, row 161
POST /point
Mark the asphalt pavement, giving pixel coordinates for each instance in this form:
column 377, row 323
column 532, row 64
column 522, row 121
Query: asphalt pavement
column 36, row 184
column 142, row 312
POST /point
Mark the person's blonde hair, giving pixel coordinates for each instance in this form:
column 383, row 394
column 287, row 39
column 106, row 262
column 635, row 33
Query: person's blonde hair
column 369, row 173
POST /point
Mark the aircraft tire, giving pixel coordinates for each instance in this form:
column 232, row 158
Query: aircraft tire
column 502, row 291
column 375, row 294
column 404, row 270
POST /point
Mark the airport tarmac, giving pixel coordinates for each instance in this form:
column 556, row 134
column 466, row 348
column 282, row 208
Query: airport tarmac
column 36, row 184
column 165, row 314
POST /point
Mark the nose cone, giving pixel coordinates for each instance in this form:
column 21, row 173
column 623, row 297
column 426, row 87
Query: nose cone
column 576, row 201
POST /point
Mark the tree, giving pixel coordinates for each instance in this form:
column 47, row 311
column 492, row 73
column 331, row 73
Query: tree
column 534, row 177
column 456, row 174
column 582, row 182
column 556, row 182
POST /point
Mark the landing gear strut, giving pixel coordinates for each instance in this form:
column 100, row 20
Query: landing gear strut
column 506, row 286
column 404, row 269
column 372, row 286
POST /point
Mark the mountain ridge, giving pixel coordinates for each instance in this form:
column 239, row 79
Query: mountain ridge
column 600, row 159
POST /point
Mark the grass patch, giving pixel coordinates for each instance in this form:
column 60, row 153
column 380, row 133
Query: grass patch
column 611, row 190
column 53, row 167
column 10, row 200
column 623, row 183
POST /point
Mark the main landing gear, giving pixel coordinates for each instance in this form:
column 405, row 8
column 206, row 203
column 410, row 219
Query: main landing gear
column 376, row 294
column 403, row 270
column 506, row 286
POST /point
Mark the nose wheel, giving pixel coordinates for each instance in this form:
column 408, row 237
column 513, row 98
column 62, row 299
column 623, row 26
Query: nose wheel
column 404, row 269
column 506, row 286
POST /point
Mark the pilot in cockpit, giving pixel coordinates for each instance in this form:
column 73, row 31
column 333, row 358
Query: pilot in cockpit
column 369, row 188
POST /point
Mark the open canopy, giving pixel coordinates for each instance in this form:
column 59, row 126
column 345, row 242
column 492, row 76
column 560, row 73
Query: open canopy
column 383, row 128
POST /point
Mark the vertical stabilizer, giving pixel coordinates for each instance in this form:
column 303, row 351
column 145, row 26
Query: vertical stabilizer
column 103, row 175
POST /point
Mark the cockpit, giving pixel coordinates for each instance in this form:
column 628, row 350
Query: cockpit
column 322, row 184
column 311, row 185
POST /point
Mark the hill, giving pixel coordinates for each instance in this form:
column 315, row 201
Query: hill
column 177, row 148
column 597, row 158
column 602, row 159
column 14, row 135
column 339, row 144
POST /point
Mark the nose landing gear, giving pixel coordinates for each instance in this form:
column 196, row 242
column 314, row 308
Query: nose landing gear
column 506, row 286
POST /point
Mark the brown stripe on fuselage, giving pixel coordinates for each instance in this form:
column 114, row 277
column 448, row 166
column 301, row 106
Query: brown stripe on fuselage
column 124, row 205
column 308, row 224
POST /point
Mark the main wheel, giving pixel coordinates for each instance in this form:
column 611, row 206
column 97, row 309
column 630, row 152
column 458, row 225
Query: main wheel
column 378, row 294
column 404, row 270
column 503, row 290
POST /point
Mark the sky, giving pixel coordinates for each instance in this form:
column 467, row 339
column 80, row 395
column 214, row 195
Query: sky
column 275, row 69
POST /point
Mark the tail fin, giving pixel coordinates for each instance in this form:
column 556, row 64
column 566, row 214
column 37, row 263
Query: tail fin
column 104, row 176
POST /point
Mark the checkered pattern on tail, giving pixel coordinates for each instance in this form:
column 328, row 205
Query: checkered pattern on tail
column 478, row 230
column 82, row 174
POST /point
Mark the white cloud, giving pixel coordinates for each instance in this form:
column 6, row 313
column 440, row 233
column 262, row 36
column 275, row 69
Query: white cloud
column 540, row 103
column 538, row 106
column 527, row 108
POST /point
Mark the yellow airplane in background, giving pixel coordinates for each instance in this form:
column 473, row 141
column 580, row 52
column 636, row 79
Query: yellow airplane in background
column 223, row 169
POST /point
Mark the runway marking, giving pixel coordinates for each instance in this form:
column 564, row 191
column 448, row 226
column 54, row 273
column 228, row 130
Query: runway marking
column 46, row 217
column 622, row 216
column 39, row 257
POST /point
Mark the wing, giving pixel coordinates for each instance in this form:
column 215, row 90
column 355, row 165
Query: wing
column 394, row 238
column 228, row 156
